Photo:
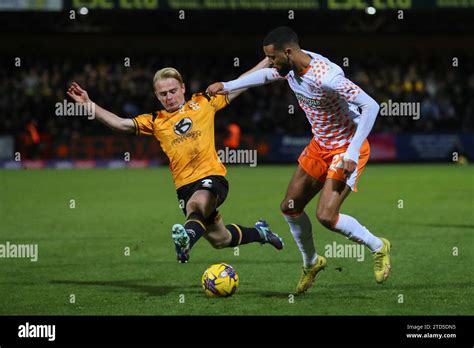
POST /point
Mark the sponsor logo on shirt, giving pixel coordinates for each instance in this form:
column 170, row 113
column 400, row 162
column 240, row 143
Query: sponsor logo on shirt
column 308, row 101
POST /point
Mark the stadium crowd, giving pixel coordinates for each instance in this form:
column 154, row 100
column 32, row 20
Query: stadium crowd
column 29, row 93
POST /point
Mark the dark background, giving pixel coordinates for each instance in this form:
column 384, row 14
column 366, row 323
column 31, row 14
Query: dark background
column 405, row 60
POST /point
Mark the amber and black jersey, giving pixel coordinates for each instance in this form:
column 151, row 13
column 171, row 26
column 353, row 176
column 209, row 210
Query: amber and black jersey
column 187, row 137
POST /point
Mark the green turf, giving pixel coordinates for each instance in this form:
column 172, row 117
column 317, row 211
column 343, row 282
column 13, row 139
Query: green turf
column 81, row 250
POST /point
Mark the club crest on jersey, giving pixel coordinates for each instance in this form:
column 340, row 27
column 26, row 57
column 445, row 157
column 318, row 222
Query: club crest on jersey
column 183, row 126
column 194, row 105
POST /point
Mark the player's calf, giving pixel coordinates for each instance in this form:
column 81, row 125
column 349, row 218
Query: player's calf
column 218, row 240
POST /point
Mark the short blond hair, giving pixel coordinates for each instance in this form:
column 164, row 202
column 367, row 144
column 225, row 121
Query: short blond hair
column 166, row 73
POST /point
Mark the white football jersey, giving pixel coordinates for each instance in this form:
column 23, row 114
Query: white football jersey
column 325, row 95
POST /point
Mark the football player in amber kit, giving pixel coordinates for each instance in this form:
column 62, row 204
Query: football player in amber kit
column 185, row 130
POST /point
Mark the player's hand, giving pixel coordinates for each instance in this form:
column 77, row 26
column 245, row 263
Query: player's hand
column 78, row 94
column 348, row 166
column 215, row 88
column 266, row 62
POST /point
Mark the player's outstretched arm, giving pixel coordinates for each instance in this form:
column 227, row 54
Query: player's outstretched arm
column 264, row 63
column 111, row 120
column 252, row 78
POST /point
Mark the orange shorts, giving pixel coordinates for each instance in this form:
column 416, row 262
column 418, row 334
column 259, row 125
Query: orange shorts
column 324, row 164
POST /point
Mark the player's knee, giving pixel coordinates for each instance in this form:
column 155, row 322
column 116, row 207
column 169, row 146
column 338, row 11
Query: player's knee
column 288, row 207
column 327, row 218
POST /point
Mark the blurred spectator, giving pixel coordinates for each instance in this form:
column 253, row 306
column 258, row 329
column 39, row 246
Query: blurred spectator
column 32, row 139
column 232, row 140
column 442, row 91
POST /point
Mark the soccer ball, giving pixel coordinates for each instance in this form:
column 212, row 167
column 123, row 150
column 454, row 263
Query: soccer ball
column 220, row 280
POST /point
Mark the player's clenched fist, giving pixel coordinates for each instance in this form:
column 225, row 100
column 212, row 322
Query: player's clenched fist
column 215, row 88
column 78, row 94
column 349, row 166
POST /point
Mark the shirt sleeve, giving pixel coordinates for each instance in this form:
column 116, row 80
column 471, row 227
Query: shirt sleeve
column 339, row 84
column 352, row 93
column 257, row 78
column 143, row 124
column 219, row 101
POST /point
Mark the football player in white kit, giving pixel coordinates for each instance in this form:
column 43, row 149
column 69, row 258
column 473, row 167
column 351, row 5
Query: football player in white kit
column 341, row 116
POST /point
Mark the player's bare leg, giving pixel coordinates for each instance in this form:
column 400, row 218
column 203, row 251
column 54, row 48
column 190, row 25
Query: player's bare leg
column 332, row 196
column 201, row 204
column 217, row 235
column 301, row 190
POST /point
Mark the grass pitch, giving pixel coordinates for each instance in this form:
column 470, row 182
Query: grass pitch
column 82, row 249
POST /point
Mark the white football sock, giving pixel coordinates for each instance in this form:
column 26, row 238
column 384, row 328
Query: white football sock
column 353, row 230
column 300, row 227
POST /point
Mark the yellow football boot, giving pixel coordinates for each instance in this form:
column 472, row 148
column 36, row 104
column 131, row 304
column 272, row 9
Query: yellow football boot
column 309, row 273
column 382, row 262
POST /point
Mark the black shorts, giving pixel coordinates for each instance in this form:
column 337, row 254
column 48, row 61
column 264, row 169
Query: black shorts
column 216, row 184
